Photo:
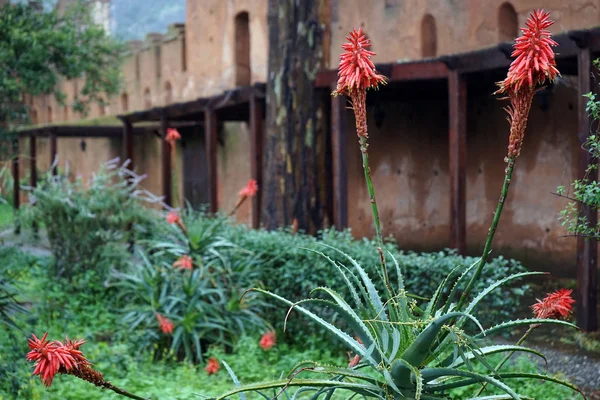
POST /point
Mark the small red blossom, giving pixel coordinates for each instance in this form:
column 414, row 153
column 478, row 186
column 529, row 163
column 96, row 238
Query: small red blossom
column 166, row 326
column 267, row 341
column 47, row 363
column 54, row 357
column 555, row 305
column 212, row 367
column 534, row 60
column 172, row 135
column 173, row 217
column 356, row 70
column 250, row 189
column 354, row 360
column 185, row 262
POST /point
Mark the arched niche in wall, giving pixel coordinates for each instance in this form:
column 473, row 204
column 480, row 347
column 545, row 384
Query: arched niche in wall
column 242, row 49
column 50, row 115
column 65, row 113
column 168, row 93
column 34, row 116
column 147, row 98
column 101, row 108
column 428, row 36
column 508, row 23
column 124, row 102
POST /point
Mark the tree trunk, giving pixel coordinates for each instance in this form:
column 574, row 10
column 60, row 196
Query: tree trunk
column 294, row 140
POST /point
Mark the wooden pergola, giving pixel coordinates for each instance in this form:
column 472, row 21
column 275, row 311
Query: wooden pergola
column 53, row 132
column 242, row 104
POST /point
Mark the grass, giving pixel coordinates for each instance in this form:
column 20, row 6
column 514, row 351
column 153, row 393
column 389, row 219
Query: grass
column 6, row 215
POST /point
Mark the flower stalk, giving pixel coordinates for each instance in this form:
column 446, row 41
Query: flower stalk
column 492, row 231
column 534, row 64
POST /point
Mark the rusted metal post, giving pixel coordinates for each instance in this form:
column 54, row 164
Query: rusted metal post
column 32, row 161
column 53, row 152
column 457, row 99
column 340, row 161
column 128, row 142
column 15, row 174
column 210, row 136
column 587, row 249
column 257, row 114
column 166, row 161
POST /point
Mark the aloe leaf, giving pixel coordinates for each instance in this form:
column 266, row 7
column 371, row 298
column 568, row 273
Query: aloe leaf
column 431, row 306
column 456, row 283
column 367, row 390
column 509, row 375
column 235, row 380
column 349, row 284
column 346, row 372
column 433, row 373
column 499, row 397
column 496, row 284
column 373, row 294
column 491, row 350
column 526, row 321
column 349, row 314
column 359, row 328
column 347, row 339
column 416, row 353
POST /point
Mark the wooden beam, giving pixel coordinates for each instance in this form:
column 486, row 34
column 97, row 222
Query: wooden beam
column 587, row 249
column 166, row 161
column 418, row 71
column 15, row 174
column 32, row 161
column 128, row 143
column 53, row 152
column 257, row 115
column 210, row 136
column 340, row 161
column 457, row 99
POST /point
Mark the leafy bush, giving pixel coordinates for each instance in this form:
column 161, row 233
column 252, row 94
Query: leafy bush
column 89, row 225
column 290, row 266
column 205, row 304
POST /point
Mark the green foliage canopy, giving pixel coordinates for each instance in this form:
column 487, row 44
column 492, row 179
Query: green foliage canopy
column 38, row 48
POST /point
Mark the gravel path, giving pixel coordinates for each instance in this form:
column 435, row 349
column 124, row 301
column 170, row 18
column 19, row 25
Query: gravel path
column 582, row 368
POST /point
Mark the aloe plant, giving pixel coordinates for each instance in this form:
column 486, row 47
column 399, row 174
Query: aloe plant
column 407, row 349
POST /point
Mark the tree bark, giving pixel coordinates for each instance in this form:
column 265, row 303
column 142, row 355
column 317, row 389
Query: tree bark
column 294, row 138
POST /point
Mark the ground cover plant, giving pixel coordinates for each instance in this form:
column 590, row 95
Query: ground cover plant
column 400, row 344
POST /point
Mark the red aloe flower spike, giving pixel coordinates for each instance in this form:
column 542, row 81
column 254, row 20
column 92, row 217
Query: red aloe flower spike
column 535, row 60
column 555, row 305
column 250, row 189
column 173, row 217
column 165, row 324
column 172, row 135
column 185, row 262
column 534, row 64
column 356, row 70
column 212, row 367
column 267, row 341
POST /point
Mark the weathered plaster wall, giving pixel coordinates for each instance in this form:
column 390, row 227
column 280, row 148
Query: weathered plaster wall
column 409, row 165
column 394, row 26
column 408, row 156
column 233, row 162
column 210, row 37
column 529, row 229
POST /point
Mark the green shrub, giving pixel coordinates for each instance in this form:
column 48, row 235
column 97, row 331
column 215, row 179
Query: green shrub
column 204, row 304
column 289, row 265
column 89, row 225
column 290, row 269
